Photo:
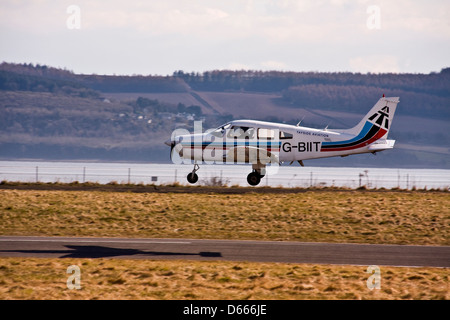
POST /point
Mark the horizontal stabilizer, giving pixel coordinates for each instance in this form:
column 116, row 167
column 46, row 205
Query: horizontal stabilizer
column 382, row 145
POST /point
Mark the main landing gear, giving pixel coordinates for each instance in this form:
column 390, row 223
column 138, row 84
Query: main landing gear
column 253, row 178
column 192, row 177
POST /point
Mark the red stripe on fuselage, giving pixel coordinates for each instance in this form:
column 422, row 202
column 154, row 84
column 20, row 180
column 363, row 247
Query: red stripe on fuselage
column 227, row 148
column 377, row 136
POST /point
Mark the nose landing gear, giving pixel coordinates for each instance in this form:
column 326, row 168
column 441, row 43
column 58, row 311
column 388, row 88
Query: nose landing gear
column 192, row 177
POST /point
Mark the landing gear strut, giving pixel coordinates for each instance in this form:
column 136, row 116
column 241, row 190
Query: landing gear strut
column 192, row 177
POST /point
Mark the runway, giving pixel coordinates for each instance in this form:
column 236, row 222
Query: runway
column 226, row 250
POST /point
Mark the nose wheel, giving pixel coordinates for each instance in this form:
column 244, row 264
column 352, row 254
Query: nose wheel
column 192, row 177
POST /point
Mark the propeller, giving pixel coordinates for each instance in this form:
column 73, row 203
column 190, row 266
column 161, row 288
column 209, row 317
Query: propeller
column 172, row 144
column 168, row 142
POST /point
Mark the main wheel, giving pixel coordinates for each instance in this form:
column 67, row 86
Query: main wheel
column 192, row 177
column 253, row 178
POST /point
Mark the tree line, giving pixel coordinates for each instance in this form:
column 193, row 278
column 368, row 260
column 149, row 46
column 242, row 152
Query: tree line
column 277, row 81
column 29, row 77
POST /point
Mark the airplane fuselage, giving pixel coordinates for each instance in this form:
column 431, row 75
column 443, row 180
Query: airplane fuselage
column 287, row 142
column 262, row 143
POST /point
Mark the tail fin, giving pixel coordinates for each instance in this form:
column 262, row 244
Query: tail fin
column 381, row 115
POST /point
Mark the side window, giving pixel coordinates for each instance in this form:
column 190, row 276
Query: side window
column 285, row 135
column 267, row 134
column 250, row 133
column 241, row 132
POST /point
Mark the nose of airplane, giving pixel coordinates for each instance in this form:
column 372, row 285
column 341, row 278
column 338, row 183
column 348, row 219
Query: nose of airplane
column 168, row 142
column 175, row 145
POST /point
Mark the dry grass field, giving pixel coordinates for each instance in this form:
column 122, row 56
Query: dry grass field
column 420, row 218
column 395, row 217
column 26, row 278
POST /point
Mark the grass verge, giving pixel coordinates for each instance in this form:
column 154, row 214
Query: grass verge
column 420, row 218
column 35, row 278
column 383, row 217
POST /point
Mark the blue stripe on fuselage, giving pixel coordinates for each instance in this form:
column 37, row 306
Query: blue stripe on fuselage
column 231, row 144
column 361, row 135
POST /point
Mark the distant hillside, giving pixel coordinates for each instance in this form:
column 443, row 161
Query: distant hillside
column 355, row 98
column 56, row 114
column 26, row 77
column 427, row 95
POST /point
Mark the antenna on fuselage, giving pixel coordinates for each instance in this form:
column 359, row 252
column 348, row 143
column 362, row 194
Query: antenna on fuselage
column 298, row 124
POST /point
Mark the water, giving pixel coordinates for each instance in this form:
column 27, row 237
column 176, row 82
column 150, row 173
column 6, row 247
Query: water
column 285, row 176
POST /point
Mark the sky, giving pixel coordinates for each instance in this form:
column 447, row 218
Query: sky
column 160, row 37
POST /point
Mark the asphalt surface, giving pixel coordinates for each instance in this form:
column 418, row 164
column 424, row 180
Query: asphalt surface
column 231, row 250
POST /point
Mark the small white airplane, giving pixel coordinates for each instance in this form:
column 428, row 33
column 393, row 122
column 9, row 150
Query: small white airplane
column 261, row 143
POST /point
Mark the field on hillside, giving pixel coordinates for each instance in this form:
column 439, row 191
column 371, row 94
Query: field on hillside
column 385, row 217
column 173, row 97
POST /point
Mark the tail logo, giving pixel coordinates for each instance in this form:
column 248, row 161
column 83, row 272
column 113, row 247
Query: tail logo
column 382, row 114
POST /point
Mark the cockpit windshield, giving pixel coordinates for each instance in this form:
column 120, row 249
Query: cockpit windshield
column 234, row 131
column 220, row 131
